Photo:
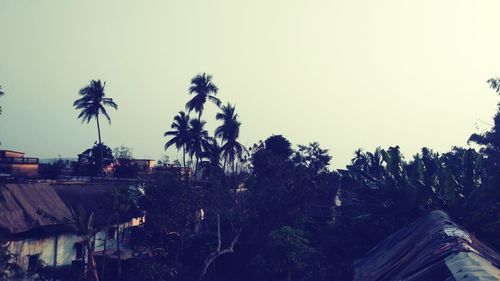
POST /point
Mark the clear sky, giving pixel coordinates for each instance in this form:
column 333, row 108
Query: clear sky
column 347, row 74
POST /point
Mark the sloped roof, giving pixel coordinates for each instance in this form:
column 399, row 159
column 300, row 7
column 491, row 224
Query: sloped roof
column 431, row 248
column 91, row 197
column 24, row 207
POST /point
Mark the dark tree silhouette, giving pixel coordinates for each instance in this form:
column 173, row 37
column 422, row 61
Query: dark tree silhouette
column 198, row 139
column 203, row 89
column 92, row 103
column 1, row 94
column 229, row 132
column 179, row 134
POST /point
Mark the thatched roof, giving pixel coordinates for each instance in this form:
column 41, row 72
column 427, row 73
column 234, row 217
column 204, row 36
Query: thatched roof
column 431, row 248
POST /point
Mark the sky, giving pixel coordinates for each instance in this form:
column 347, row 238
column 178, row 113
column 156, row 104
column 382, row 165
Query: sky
column 349, row 74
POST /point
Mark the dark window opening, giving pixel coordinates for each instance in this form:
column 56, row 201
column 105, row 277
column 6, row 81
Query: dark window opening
column 33, row 263
column 79, row 251
column 111, row 233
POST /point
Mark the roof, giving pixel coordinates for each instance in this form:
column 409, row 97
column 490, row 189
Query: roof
column 24, row 207
column 7, row 150
column 31, row 206
column 91, row 197
column 431, row 248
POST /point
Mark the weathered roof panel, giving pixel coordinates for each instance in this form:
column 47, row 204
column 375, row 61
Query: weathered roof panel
column 431, row 248
column 29, row 206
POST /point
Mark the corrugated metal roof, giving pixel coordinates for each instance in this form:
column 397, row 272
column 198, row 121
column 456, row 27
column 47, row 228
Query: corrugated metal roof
column 431, row 248
column 28, row 206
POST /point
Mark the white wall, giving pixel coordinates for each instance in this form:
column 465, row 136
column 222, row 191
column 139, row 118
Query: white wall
column 66, row 251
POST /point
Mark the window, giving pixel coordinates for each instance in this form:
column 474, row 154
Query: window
column 33, row 263
column 111, row 232
column 79, row 251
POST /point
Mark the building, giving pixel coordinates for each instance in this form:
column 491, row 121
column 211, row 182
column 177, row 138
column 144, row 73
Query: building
column 431, row 248
column 34, row 219
column 14, row 164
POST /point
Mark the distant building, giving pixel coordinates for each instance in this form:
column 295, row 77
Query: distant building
column 172, row 169
column 14, row 164
column 143, row 166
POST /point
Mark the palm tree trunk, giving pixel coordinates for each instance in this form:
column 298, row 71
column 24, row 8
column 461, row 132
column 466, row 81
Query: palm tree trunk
column 118, row 250
column 100, row 146
column 196, row 167
column 184, row 156
column 105, row 247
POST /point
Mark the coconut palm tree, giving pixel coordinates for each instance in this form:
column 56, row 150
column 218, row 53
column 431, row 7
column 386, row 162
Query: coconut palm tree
column 92, row 103
column 180, row 134
column 229, row 132
column 230, row 125
column 1, row 94
column 203, row 89
column 198, row 139
column 212, row 153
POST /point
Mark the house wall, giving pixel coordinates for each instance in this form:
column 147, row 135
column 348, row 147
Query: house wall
column 66, row 250
column 24, row 170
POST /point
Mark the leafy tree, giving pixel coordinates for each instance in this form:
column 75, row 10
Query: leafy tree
column 180, row 134
column 8, row 263
column 172, row 208
column 124, row 166
column 203, row 89
column 279, row 145
column 93, row 103
column 313, row 157
column 90, row 161
column 123, row 152
column 288, row 250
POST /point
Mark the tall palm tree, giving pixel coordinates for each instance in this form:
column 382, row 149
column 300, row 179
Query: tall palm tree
column 92, row 103
column 198, row 139
column 229, row 132
column 1, row 94
column 203, row 88
column 179, row 134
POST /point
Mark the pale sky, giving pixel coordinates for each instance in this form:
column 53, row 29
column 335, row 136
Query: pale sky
column 347, row 74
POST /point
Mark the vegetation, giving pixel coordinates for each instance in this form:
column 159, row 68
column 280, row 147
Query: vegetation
column 93, row 103
column 203, row 89
column 1, row 94
column 91, row 161
column 275, row 212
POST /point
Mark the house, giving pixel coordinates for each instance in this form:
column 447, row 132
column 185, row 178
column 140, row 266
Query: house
column 34, row 221
column 14, row 164
column 431, row 248
column 173, row 170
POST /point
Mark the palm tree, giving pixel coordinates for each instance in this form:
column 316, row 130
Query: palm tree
column 179, row 134
column 92, row 103
column 229, row 132
column 212, row 152
column 1, row 94
column 198, row 139
column 203, row 88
